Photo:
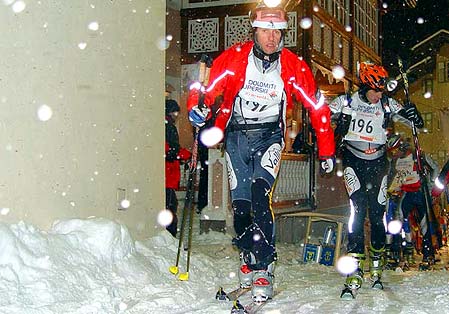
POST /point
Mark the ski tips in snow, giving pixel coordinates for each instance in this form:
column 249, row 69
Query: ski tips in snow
column 250, row 308
column 237, row 308
column 221, row 295
column 174, row 270
column 348, row 293
column 377, row 284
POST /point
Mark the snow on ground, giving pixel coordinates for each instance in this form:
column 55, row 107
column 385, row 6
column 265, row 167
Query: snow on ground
column 94, row 266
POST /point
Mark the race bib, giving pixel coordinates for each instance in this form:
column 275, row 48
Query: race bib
column 367, row 124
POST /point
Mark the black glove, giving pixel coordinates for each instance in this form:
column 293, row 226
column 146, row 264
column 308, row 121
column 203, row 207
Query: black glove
column 411, row 113
column 344, row 122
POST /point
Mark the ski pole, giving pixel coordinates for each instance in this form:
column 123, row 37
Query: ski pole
column 203, row 78
column 174, row 269
column 205, row 65
column 419, row 166
column 189, row 203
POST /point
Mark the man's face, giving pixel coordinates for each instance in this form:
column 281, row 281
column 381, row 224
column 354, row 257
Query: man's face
column 268, row 39
column 373, row 96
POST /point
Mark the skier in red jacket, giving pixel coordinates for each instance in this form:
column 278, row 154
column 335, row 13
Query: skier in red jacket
column 258, row 80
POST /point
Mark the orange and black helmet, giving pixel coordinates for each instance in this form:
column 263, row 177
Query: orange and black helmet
column 374, row 76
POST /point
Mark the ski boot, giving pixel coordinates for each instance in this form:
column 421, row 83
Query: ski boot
column 409, row 260
column 354, row 280
column 392, row 259
column 263, row 281
column 245, row 273
column 376, row 265
column 427, row 263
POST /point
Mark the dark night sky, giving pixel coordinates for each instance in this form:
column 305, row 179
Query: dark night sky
column 401, row 29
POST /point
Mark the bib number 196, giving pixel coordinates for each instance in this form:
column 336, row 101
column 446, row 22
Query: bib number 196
column 362, row 126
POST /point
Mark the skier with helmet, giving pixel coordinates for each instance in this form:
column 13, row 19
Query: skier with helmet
column 361, row 120
column 258, row 80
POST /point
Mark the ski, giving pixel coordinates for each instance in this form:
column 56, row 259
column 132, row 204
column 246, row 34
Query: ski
column 221, row 295
column 377, row 284
column 348, row 293
column 250, row 308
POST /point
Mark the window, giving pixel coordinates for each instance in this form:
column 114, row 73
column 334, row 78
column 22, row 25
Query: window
column 441, row 158
column 427, row 86
column 443, row 71
column 366, row 23
column 428, row 121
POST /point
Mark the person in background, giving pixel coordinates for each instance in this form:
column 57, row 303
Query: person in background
column 408, row 181
column 361, row 120
column 441, row 184
column 441, row 181
column 393, row 242
column 258, row 80
column 174, row 155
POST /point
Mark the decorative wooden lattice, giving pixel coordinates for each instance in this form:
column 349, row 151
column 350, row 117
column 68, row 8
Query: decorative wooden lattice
column 316, row 33
column 327, row 43
column 345, row 56
column 203, row 35
column 237, row 30
column 338, row 46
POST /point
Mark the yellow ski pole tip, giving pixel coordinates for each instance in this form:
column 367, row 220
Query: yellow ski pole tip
column 174, row 270
column 184, row 276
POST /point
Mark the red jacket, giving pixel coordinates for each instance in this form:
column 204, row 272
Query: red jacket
column 173, row 168
column 227, row 77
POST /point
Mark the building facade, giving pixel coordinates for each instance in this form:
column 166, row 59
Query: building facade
column 429, row 89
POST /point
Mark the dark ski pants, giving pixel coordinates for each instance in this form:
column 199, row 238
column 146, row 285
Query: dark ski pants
column 366, row 182
column 417, row 200
column 171, row 203
column 253, row 159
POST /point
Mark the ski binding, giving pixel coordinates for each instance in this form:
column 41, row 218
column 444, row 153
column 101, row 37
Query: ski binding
column 221, row 295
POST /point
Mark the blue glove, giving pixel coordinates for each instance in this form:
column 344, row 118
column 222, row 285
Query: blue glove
column 198, row 116
column 327, row 165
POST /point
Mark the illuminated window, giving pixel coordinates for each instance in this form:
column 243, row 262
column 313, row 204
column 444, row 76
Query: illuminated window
column 427, row 86
column 443, row 71
column 366, row 22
